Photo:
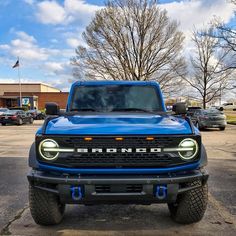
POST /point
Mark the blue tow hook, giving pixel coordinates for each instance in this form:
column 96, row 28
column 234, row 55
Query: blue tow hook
column 161, row 192
column 76, row 193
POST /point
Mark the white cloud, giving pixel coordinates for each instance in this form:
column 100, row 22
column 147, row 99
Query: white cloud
column 73, row 42
column 30, row 2
column 25, row 46
column 4, row 46
column 54, row 41
column 192, row 13
column 79, row 10
column 24, row 36
column 50, row 12
column 54, row 66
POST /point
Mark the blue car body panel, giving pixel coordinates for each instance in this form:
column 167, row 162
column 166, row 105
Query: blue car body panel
column 185, row 167
column 114, row 124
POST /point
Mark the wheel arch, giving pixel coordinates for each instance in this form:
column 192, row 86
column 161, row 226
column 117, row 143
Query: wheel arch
column 32, row 161
column 203, row 157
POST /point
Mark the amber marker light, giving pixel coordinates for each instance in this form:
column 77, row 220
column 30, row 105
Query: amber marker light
column 119, row 139
column 150, row 138
column 88, row 139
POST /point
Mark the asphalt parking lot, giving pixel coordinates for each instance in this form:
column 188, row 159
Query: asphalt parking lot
column 15, row 218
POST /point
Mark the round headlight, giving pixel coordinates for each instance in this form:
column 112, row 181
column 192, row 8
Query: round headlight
column 48, row 149
column 188, row 149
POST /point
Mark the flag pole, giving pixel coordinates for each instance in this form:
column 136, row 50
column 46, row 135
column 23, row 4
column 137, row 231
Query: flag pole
column 18, row 68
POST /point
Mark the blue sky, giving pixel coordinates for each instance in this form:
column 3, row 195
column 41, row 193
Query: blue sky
column 45, row 33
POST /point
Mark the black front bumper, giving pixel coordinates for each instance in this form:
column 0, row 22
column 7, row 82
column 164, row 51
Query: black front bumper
column 140, row 189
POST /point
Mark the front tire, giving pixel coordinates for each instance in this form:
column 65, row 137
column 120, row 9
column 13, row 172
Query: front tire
column 31, row 121
column 191, row 205
column 45, row 207
column 222, row 128
column 20, row 121
column 199, row 127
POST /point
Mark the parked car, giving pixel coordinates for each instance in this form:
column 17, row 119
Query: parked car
column 228, row 106
column 211, row 118
column 36, row 114
column 3, row 110
column 17, row 117
column 191, row 110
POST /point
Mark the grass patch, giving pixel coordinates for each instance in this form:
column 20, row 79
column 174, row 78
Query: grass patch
column 231, row 122
column 231, row 118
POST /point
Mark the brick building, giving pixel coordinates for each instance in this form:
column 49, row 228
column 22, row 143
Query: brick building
column 33, row 95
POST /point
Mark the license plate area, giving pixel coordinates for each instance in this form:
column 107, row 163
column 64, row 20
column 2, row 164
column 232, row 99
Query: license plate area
column 127, row 188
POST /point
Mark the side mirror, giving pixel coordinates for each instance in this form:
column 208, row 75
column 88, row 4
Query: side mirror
column 52, row 108
column 179, row 108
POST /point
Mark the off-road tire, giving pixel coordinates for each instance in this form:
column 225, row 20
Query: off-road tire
column 191, row 205
column 45, row 207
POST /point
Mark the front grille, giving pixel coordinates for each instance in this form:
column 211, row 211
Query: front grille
column 216, row 118
column 118, row 159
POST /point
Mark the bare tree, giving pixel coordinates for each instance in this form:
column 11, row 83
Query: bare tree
column 227, row 38
column 208, row 73
column 132, row 40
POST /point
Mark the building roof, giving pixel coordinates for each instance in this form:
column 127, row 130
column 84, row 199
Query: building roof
column 31, row 83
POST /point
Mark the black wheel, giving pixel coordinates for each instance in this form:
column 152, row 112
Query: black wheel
column 3, row 124
column 222, row 128
column 20, row 121
column 31, row 121
column 199, row 126
column 45, row 207
column 190, row 206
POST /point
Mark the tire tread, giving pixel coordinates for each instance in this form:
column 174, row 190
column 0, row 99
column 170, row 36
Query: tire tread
column 45, row 207
column 191, row 205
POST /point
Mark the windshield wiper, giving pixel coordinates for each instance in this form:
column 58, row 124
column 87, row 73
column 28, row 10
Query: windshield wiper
column 132, row 109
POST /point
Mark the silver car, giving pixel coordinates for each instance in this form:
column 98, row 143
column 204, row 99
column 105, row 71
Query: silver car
column 211, row 118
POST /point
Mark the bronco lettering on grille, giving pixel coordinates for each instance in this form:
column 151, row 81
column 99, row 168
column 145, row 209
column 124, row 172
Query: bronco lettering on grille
column 118, row 150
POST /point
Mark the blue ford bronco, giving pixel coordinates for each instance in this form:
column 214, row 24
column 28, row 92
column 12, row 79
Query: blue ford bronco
column 116, row 143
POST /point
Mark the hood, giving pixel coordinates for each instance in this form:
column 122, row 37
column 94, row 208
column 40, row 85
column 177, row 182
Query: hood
column 118, row 125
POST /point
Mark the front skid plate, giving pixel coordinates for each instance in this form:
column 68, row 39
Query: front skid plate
column 61, row 185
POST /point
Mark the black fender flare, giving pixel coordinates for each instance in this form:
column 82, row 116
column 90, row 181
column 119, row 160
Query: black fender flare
column 32, row 161
column 203, row 157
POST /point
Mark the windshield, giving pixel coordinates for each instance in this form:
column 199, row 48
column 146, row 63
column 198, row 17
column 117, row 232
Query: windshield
column 110, row 98
column 212, row 112
column 11, row 111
